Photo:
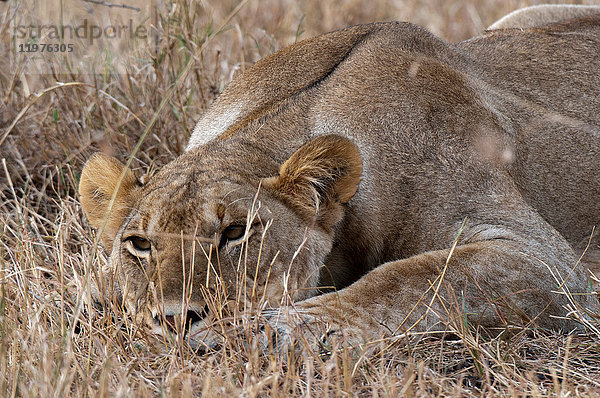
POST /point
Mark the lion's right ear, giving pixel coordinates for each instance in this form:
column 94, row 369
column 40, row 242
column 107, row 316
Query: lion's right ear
column 319, row 178
column 102, row 175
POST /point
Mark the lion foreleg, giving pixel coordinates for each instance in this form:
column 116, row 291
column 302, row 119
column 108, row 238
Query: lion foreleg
column 489, row 283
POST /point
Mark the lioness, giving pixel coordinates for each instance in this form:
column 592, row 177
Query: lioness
column 428, row 184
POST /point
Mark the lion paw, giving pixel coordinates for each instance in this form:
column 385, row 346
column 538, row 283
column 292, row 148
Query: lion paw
column 287, row 329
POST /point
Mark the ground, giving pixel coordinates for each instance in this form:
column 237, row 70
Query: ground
column 52, row 343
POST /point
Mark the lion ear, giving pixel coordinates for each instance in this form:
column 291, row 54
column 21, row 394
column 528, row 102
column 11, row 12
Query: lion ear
column 102, row 175
column 319, row 177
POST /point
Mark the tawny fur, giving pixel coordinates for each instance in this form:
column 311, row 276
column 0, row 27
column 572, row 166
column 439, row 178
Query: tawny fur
column 491, row 145
column 543, row 14
column 98, row 183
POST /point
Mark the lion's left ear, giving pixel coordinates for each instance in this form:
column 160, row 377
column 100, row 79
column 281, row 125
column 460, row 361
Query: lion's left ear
column 318, row 178
column 101, row 176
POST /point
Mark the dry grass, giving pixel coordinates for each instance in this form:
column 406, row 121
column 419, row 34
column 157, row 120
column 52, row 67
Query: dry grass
column 51, row 344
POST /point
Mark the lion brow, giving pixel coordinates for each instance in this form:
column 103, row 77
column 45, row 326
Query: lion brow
column 248, row 198
column 229, row 193
column 186, row 237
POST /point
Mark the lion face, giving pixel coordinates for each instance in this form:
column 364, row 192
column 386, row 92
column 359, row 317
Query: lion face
column 197, row 234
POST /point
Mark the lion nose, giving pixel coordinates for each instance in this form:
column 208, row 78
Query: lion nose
column 170, row 322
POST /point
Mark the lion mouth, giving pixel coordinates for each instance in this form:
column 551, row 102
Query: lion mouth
column 173, row 322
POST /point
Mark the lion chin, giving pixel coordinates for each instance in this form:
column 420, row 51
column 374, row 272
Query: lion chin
column 373, row 182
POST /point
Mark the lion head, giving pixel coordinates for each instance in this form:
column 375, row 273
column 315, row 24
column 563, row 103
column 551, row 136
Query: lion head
column 207, row 225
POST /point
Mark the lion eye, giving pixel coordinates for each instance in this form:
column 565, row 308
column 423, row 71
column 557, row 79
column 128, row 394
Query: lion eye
column 139, row 244
column 232, row 232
